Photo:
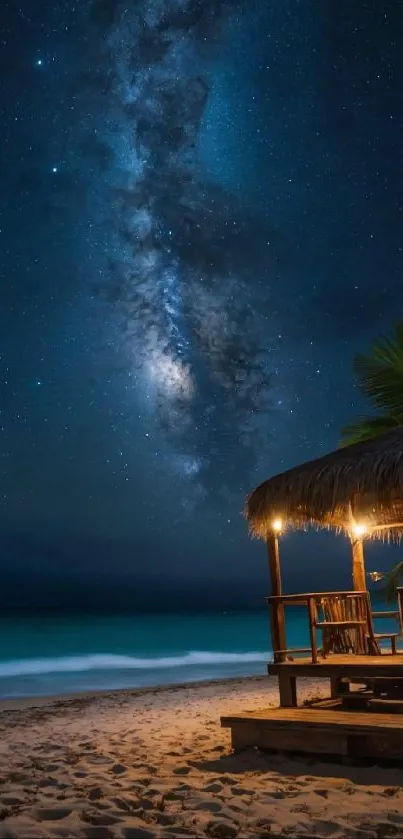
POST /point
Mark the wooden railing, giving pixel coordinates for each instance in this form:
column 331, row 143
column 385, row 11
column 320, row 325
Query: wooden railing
column 341, row 616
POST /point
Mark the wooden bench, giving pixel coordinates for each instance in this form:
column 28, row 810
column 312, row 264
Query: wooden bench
column 317, row 731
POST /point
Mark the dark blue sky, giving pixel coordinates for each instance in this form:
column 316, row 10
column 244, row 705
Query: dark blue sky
column 201, row 224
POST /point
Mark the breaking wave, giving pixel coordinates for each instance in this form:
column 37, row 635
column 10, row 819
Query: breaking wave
column 105, row 661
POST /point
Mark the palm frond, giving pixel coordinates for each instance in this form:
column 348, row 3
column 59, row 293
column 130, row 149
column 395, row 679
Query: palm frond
column 380, row 374
column 366, row 428
column 393, row 580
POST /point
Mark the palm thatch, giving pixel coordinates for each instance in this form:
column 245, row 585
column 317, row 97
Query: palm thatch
column 362, row 483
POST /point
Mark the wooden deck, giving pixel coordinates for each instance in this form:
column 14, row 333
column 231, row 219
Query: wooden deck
column 339, row 669
column 386, row 664
column 319, row 731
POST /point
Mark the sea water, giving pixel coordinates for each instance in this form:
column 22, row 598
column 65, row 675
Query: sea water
column 65, row 655
column 46, row 656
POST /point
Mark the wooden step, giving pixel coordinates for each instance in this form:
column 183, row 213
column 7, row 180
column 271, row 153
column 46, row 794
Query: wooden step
column 321, row 731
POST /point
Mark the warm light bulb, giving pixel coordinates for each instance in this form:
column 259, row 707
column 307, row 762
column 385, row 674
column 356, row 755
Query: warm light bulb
column 277, row 525
column 359, row 530
column 376, row 576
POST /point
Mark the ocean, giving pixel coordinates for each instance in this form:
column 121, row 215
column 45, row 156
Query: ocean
column 49, row 655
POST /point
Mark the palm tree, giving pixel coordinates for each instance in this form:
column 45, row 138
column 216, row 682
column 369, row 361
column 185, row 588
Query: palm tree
column 380, row 378
column 394, row 579
column 391, row 581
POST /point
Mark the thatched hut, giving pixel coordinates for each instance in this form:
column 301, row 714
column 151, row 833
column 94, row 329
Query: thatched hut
column 358, row 489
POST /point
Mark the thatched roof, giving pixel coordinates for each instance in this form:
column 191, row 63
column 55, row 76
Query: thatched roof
column 364, row 480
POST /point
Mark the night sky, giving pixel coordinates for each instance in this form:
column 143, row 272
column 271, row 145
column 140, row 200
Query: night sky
column 201, row 214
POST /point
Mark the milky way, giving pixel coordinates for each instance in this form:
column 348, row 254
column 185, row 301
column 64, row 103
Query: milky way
column 200, row 224
column 185, row 250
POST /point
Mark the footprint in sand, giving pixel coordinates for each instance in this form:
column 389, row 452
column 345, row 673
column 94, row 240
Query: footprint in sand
column 10, row 801
column 51, row 782
column 219, row 830
column 300, row 808
column 208, row 806
column 213, row 788
column 235, row 809
column 19, row 777
column 95, row 794
column 264, row 824
column 98, row 819
column 242, row 791
column 119, row 769
column 51, row 814
column 327, row 828
column 98, row 833
column 145, row 804
column 126, row 806
column 324, row 793
column 101, row 759
column 348, row 790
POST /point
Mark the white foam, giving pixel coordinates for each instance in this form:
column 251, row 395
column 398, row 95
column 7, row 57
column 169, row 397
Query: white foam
column 105, row 661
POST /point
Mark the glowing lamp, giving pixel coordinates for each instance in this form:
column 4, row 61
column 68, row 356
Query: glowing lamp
column 277, row 525
column 359, row 530
column 376, row 576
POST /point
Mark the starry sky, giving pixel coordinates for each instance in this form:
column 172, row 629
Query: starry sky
column 200, row 224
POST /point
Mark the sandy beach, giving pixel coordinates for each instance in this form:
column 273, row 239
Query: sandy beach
column 155, row 763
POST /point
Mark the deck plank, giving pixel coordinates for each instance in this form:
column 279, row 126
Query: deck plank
column 318, row 717
column 386, row 664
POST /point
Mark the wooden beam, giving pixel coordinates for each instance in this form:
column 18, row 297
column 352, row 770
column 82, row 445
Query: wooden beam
column 293, row 599
column 359, row 579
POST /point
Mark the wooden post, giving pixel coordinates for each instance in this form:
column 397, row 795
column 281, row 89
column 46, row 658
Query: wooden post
column 287, row 686
column 312, row 628
column 274, row 564
column 359, row 581
column 338, row 685
column 277, row 609
column 400, row 606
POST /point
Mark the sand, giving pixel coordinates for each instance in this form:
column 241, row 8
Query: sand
column 157, row 764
